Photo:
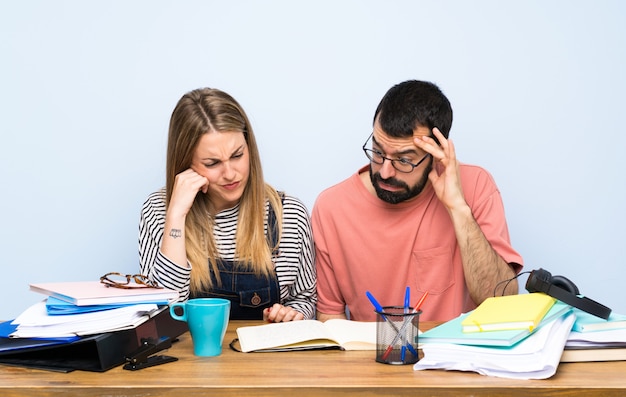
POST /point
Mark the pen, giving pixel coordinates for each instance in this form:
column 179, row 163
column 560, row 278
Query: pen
column 407, row 299
column 403, row 328
column 375, row 303
column 407, row 302
column 420, row 302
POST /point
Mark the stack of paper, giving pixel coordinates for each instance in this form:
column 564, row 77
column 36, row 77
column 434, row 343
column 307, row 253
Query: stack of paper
column 35, row 322
column 518, row 336
column 86, row 308
column 535, row 357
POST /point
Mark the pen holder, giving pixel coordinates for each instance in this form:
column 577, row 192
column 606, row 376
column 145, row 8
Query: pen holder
column 396, row 335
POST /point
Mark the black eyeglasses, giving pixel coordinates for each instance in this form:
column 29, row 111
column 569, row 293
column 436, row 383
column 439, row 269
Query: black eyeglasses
column 119, row 280
column 402, row 165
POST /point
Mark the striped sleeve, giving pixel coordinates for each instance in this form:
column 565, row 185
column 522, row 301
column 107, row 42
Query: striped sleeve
column 295, row 265
column 152, row 262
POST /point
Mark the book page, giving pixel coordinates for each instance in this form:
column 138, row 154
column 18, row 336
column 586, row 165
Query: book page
column 283, row 334
column 353, row 335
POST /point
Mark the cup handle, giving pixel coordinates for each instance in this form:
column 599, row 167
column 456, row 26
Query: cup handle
column 175, row 316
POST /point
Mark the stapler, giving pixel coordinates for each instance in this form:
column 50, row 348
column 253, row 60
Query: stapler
column 145, row 357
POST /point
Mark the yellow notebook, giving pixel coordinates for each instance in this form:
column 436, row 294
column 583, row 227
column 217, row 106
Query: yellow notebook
column 523, row 311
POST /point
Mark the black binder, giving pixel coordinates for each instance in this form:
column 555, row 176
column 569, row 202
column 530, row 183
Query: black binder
column 96, row 353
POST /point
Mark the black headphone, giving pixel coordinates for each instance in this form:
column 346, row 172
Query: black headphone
column 564, row 290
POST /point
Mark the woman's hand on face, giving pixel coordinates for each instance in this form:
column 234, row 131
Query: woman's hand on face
column 187, row 184
column 279, row 313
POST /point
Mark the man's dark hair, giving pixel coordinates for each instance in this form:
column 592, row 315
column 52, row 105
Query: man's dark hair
column 411, row 104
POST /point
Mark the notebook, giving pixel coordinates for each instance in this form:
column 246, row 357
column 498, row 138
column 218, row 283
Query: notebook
column 511, row 312
column 586, row 322
column 83, row 293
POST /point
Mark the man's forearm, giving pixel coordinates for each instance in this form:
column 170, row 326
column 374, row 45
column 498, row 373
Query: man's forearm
column 484, row 268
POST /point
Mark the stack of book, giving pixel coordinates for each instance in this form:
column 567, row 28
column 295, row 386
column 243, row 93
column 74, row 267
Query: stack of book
column 522, row 336
column 86, row 308
column 518, row 336
column 88, row 326
column 596, row 339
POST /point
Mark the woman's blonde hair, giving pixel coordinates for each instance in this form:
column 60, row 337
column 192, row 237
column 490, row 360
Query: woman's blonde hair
column 197, row 113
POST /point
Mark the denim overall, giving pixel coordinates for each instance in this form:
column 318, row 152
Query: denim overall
column 248, row 293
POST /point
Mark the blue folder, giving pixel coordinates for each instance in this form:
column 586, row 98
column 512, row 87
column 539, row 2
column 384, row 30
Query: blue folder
column 55, row 306
column 8, row 344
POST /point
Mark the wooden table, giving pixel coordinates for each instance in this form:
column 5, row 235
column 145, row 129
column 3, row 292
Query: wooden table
column 307, row 373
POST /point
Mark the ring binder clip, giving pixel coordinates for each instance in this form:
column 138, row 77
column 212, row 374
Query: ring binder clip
column 144, row 356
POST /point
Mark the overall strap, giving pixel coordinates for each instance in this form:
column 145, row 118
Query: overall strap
column 272, row 225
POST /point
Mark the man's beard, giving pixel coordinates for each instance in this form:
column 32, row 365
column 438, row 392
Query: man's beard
column 401, row 195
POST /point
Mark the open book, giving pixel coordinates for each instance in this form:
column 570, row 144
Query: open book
column 308, row 334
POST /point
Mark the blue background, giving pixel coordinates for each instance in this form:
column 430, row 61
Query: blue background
column 87, row 88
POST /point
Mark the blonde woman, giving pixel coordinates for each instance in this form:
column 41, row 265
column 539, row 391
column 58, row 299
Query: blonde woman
column 217, row 229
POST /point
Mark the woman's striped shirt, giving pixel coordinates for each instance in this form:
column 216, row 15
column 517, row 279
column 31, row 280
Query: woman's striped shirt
column 294, row 264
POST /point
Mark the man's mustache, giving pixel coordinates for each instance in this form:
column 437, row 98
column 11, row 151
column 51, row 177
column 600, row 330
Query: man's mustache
column 390, row 181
